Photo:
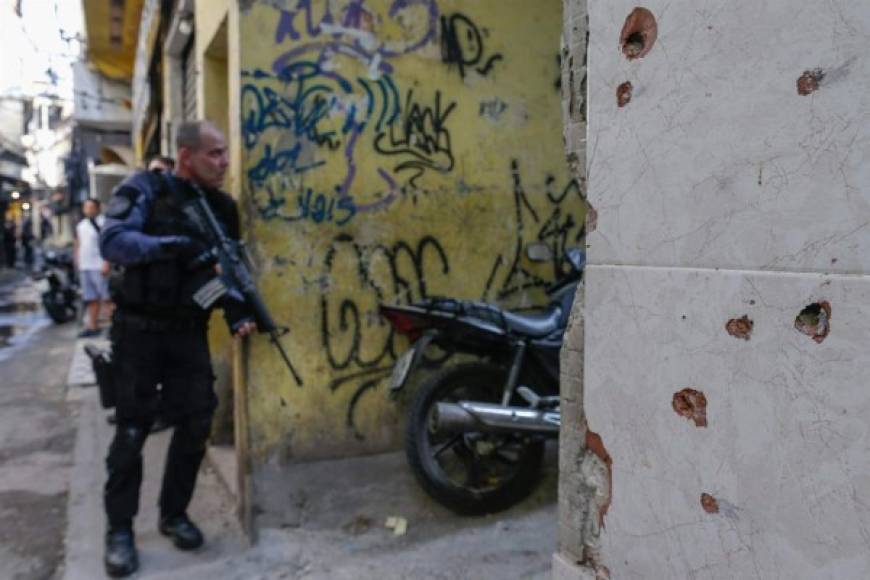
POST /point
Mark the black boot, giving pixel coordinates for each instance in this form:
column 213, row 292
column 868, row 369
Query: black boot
column 121, row 558
column 183, row 532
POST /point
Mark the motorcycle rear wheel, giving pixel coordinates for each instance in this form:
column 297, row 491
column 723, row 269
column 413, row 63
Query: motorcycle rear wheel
column 470, row 473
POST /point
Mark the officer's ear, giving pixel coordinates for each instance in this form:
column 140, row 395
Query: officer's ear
column 184, row 154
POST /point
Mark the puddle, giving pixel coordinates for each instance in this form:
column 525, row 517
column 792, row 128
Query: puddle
column 7, row 331
column 17, row 307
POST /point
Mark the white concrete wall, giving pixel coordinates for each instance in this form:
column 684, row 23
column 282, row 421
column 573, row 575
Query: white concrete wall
column 721, row 192
column 11, row 124
column 100, row 102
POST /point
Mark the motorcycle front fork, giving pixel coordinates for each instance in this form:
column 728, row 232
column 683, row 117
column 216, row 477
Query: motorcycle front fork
column 514, row 374
column 532, row 398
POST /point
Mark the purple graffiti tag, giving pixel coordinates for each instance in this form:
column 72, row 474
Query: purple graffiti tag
column 344, row 190
column 351, row 164
column 353, row 20
column 353, row 15
column 389, row 199
column 286, row 27
column 289, row 57
column 399, row 5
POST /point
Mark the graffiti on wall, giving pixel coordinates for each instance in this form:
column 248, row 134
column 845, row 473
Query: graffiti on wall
column 462, row 45
column 348, row 28
column 359, row 346
column 421, row 136
column 335, row 137
column 303, row 117
column 548, row 219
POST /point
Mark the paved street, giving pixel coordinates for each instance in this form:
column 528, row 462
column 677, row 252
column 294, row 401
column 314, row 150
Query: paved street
column 37, row 431
column 53, row 437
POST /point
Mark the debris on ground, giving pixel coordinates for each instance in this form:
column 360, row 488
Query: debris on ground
column 398, row 524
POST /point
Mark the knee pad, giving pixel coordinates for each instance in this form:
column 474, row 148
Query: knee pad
column 127, row 446
column 194, row 432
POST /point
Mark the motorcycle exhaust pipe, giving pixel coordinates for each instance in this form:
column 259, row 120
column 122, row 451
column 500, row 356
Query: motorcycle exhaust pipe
column 466, row 416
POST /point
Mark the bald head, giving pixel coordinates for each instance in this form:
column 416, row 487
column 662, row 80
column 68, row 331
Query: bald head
column 202, row 153
column 189, row 133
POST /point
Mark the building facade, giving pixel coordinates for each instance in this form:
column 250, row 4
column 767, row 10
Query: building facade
column 380, row 153
column 13, row 161
column 719, row 354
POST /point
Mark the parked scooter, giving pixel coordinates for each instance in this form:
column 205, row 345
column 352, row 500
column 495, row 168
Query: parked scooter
column 60, row 294
column 476, row 431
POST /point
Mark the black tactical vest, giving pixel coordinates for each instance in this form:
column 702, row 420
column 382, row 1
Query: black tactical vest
column 165, row 288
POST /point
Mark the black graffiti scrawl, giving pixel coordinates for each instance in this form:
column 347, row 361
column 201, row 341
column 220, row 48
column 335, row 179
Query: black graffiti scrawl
column 462, row 44
column 359, row 345
column 555, row 222
column 419, row 139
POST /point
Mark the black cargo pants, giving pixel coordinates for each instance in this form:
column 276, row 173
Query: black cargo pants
column 173, row 354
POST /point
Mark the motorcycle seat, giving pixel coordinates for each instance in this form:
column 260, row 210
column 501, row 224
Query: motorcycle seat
column 536, row 324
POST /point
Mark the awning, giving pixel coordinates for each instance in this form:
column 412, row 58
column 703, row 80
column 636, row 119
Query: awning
column 112, row 28
column 118, row 154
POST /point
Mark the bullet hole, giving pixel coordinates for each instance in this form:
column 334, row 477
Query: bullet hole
column 692, row 405
column 808, row 82
column 684, row 317
column 740, row 327
column 815, row 321
column 638, row 33
column 833, row 260
column 752, row 302
column 623, row 94
column 709, row 503
column 591, row 218
column 595, row 445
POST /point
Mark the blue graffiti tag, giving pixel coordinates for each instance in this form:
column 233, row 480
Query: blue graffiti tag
column 311, row 206
column 302, row 106
column 300, row 109
column 298, row 103
column 284, row 161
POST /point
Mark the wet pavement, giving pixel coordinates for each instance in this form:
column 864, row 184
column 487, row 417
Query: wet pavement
column 21, row 315
column 36, row 431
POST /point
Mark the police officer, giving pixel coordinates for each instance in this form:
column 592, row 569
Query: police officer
column 159, row 335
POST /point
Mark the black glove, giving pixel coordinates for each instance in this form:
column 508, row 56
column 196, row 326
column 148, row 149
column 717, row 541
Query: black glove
column 236, row 311
column 192, row 253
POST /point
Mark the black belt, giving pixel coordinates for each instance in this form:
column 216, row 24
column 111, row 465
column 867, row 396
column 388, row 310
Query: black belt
column 151, row 323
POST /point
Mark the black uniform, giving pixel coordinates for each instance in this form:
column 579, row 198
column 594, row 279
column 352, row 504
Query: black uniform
column 159, row 336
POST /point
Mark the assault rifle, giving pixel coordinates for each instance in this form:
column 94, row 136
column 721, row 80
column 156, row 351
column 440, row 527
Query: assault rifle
column 235, row 273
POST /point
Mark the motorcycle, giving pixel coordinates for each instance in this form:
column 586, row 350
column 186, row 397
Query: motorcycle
column 60, row 290
column 476, row 431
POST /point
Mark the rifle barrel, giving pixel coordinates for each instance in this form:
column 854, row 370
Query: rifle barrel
column 277, row 343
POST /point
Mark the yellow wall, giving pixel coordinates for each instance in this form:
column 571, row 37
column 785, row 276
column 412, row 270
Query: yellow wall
column 379, row 168
column 213, row 90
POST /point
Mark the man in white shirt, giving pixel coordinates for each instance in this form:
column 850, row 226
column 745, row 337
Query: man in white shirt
column 93, row 270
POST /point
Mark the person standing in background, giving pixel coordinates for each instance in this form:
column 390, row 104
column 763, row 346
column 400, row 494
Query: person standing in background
column 161, row 164
column 93, row 270
column 9, row 242
column 27, row 242
column 46, row 230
